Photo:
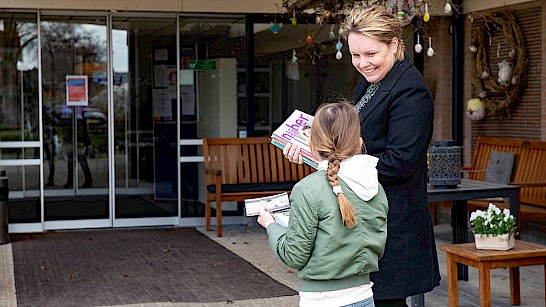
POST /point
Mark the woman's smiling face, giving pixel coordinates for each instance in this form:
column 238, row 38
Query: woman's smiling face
column 372, row 58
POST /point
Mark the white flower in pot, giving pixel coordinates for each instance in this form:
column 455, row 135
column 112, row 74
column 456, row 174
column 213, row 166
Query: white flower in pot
column 493, row 228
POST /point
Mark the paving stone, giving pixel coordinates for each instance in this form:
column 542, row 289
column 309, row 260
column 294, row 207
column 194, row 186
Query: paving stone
column 250, row 243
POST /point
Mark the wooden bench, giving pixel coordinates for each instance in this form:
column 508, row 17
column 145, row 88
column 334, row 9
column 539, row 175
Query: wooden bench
column 523, row 254
column 529, row 171
column 529, row 166
column 241, row 168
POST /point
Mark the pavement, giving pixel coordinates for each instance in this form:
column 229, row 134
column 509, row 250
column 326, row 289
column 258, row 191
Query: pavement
column 250, row 243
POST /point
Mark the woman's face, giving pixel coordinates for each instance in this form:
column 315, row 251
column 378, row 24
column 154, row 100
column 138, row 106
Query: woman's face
column 372, row 58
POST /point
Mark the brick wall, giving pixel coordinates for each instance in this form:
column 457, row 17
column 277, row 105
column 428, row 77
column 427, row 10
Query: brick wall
column 437, row 72
column 528, row 119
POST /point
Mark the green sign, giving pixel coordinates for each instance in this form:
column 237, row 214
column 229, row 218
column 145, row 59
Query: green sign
column 202, row 64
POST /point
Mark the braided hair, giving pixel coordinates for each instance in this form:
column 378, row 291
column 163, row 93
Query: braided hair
column 335, row 135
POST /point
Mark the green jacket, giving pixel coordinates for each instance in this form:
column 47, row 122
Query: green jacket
column 328, row 255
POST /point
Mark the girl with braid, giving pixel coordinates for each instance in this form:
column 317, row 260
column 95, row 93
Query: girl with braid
column 338, row 216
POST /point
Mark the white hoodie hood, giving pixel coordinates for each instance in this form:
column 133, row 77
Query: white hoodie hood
column 359, row 172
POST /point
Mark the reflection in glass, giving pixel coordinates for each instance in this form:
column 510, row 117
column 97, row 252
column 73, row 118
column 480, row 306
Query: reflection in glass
column 18, row 78
column 75, row 137
column 144, row 64
column 19, row 116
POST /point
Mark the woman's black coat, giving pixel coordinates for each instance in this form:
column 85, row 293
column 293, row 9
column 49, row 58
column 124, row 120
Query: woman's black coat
column 396, row 126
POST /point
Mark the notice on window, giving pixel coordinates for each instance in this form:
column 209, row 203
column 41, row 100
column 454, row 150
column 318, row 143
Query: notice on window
column 76, row 90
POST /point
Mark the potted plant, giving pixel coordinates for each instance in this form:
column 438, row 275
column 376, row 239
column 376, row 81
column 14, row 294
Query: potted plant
column 493, row 228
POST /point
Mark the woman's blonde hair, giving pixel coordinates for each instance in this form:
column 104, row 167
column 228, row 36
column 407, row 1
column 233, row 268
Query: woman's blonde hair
column 377, row 23
column 335, row 135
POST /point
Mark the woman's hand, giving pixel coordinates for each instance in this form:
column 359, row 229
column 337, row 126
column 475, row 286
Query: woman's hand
column 265, row 218
column 292, row 153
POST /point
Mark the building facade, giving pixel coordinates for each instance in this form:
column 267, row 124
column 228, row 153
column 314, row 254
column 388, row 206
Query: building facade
column 103, row 104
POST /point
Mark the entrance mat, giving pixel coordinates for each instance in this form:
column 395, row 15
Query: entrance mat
column 136, row 266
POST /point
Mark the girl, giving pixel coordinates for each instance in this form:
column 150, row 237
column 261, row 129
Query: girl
column 338, row 217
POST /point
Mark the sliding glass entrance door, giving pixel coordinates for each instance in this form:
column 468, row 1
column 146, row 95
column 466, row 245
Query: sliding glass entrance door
column 75, row 120
column 103, row 115
column 145, row 96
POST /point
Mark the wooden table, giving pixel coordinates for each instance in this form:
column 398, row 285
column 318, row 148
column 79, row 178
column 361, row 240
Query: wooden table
column 472, row 189
column 523, row 254
column 467, row 190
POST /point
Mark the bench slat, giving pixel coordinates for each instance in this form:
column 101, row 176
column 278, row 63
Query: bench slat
column 239, row 164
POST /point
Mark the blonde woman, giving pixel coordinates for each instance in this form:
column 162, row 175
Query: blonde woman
column 396, row 115
column 338, row 217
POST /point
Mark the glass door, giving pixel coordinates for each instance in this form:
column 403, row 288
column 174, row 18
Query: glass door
column 145, row 97
column 75, row 120
column 19, row 119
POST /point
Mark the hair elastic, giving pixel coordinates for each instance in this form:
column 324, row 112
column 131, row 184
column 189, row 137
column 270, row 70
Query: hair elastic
column 337, row 189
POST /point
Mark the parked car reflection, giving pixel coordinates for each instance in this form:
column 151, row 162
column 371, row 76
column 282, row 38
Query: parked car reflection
column 96, row 120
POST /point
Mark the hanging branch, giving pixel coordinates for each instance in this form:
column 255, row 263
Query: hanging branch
column 326, row 11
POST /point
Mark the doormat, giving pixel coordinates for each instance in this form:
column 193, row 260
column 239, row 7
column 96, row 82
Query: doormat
column 137, row 266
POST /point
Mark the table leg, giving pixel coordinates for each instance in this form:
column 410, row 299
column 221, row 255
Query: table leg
column 515, row 298
column 485, row 286
column 459, row 218
column 452, row 283
column 513, row 203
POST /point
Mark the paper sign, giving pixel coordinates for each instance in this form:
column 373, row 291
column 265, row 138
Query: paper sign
column 76, row 90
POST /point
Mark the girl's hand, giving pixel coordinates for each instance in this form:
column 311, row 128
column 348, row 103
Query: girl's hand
column 265, row 218
column 292, row 153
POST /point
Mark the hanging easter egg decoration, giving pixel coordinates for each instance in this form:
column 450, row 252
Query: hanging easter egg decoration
column 472, row 48
column 430, row 51
column 418, row 47
column 400, row 15
column 275, row 27
column 331, row 34
column 426, row 17
column 309, row 39
column 294, row 19
column 294, row 57
column 447, row 8
column 339, row 45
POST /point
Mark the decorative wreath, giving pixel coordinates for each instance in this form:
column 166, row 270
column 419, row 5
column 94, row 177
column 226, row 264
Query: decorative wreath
column 499, row 95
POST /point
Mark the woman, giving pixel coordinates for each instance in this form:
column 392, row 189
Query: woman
column 396, row 113
column 337, row 227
